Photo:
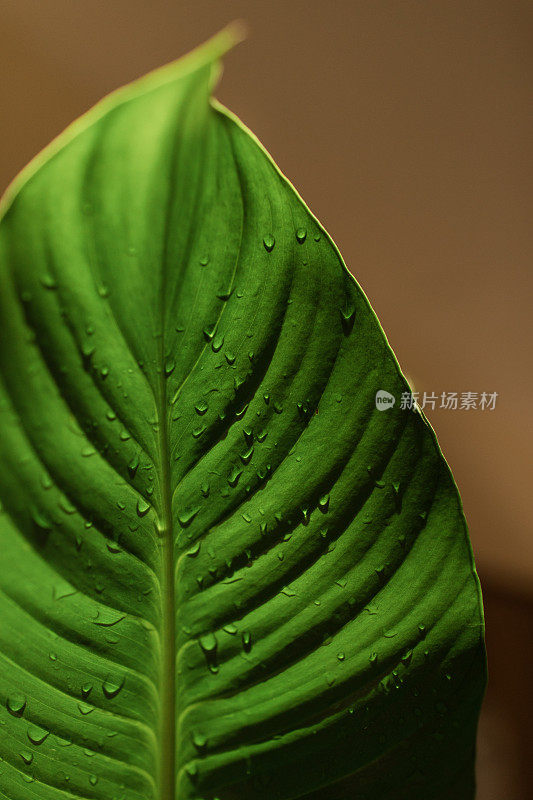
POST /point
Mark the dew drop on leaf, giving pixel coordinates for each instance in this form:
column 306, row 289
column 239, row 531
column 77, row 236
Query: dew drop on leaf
column 269, row 242
column 16, row 704
column 217, row 343
column 323, row 503
column 133, row 465
column 199, row 741
column 37, row 735
column 48, row 281
column 186, row 516
column 111, row 687
column 26, row 756
column 142, row 507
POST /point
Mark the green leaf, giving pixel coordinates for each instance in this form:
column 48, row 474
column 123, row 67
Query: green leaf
column 225, row 573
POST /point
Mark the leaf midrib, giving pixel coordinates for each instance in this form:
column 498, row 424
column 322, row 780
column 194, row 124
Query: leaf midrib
column 168, row 631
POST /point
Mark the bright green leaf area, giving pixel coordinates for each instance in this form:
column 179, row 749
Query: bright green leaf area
column 224, row 573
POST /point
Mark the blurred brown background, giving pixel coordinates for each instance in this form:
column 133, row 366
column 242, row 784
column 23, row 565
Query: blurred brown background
column 407, row 127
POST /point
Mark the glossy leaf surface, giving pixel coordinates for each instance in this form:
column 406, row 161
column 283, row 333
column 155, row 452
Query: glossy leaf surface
column 225, row 573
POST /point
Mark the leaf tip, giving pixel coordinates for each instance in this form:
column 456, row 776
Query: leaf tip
column 222, row 42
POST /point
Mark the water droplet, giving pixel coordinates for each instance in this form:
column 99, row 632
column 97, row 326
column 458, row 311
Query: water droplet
column 201, row 407
column 40, row 521
column 15, row 704
column 301, row 234
column 269, row 242
column 93, row 780
column 246, row 457
column 37, row 735
column 66, row 506
column 49, row 282
column 194, row 550
column 111, row 687
column 248, row 435
column 348, row 317
column 26, row 756
column 242, row 411
column 233, row 477
column 199, row 741
column 323, row 503
column 231, row 629
column 107, row 617
column 46, row 482
column 142, row 507
column 217, row 343
column 209, row 332
column 208, row 643
column 246, row 637
column 133, row 465
column 170, row 366
column 238, row 381
column 192, row 770
column 186, row 516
